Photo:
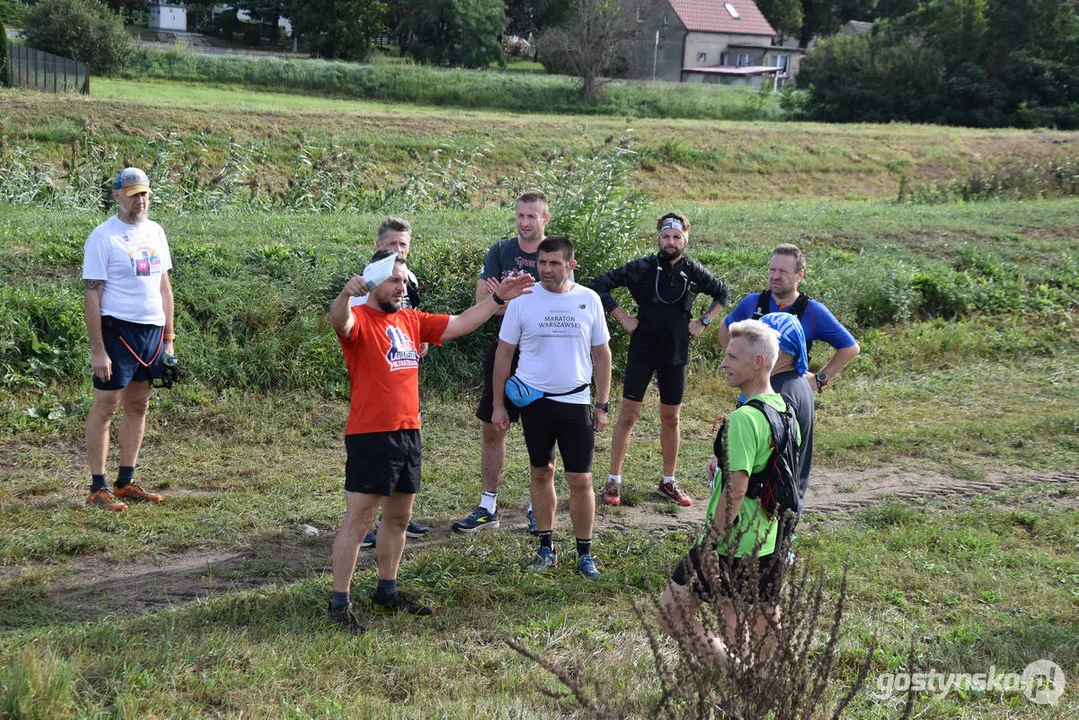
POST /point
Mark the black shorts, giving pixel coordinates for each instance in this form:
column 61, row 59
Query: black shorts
column 135, row 351
column 547, row 422
column 670, row 378
column 383, row 463
column 769, row 576
column 487, row 398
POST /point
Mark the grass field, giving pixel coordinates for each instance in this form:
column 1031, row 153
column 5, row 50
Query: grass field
column 682, row 161
column 946, row 473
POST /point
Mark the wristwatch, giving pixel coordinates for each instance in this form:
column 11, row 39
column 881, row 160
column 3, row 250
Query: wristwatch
column 822, row 380
column 604, row 406
column 705, row 320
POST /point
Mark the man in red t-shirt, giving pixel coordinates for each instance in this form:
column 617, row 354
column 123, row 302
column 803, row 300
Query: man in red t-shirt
column 380, row 341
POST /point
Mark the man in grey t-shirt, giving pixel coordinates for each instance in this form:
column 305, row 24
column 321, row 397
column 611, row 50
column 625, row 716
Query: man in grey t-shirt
column 510, row 256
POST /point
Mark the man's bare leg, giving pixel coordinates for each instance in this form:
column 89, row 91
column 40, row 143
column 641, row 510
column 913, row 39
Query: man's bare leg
column 670, row 436
column 544, row 497
column 360, row 509
column 628, row 414
column 396, row 512
column 492, row 457
column 104, row 406
column 136, row 403
column 582, row 503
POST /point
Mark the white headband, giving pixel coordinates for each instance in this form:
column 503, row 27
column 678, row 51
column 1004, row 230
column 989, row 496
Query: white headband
column 672, row 223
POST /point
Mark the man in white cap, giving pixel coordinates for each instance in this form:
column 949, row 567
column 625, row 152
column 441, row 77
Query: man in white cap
column 129, row 320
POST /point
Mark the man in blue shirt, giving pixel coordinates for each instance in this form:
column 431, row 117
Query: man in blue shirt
column 785, row 271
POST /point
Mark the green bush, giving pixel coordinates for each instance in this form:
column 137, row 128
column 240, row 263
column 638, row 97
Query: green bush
column 13, row 13
column 84, row 30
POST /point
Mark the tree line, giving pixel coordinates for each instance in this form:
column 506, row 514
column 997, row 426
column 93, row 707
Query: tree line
column 979, row 63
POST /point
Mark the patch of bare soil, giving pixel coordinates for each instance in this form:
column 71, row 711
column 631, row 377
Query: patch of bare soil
column 97, row 587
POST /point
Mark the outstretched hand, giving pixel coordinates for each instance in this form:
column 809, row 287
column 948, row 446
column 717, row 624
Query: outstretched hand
column 516, row 286
column 356, row 286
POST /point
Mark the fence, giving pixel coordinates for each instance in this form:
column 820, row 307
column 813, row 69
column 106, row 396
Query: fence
column 30, row 68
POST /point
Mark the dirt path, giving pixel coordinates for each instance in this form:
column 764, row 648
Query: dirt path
column 98, row 587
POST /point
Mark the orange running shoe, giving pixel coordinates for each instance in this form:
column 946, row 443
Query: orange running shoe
column 131, row 491
column 105, row 500
column 672, row 492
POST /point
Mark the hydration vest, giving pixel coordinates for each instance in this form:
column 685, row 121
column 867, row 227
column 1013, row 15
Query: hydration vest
column 796, row 308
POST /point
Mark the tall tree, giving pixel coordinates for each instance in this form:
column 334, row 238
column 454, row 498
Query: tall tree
column 81, row 29
column 783, row 15
column 337, row 29
column 458, row 32
column 591, row 43
column 268, row 12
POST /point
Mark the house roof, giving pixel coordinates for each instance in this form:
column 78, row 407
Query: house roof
column 713, row 16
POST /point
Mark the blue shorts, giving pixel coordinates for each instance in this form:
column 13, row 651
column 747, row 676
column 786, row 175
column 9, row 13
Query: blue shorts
column 135, row 351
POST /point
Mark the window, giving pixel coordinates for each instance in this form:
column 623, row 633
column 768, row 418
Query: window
column 666, row 18
column 744, row 59
column 782, row 62
column 702, row 57
column 639, row 18
column 730, row 9
column 724, row 58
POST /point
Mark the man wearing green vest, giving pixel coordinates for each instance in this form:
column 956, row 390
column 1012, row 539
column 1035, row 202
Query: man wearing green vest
column 738, row 528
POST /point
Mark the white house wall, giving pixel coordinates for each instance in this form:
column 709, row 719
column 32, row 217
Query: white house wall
column 713, row 44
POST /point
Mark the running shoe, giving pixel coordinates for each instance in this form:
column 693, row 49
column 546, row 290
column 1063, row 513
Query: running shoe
column 612, row 494
column 545, row 559
column 397, row 603
column 532, row 529
column 368, row 540
column 105, row 500
column 586, row 565
column 672, row 492
column 415, row 530
column 479, row 519
column 131, row 491
column 345, row 617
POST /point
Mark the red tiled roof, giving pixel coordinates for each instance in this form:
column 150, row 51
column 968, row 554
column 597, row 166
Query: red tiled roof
column 712, row 16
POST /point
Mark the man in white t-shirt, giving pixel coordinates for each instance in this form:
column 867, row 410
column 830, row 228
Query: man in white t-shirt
column 129, row 309
column 562, row 334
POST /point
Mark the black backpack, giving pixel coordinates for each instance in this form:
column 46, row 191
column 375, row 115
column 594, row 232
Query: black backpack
column 776, row 486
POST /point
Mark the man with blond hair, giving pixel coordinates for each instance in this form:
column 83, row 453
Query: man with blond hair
column 738, row 528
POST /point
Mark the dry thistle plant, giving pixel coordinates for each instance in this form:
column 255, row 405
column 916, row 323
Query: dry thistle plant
column 744, row 652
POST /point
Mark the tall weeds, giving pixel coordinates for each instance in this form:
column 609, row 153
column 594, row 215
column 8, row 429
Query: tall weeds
column 1051, row 178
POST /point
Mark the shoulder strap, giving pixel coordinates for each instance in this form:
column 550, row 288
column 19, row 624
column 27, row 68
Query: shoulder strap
column 798, row 307
column 764, row 305
column 775, row 421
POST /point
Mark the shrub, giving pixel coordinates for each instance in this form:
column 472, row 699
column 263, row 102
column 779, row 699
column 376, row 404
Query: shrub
column 85, row 30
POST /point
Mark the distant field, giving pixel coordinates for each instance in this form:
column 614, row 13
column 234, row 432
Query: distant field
column 682, row 161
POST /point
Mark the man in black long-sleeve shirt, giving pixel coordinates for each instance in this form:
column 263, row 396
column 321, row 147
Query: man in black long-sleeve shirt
column 664, row 286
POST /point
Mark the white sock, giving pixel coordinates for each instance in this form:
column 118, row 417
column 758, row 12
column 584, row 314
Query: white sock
column 667, row 479
column 489, row 501
column 617, row 479
column 529, row 507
